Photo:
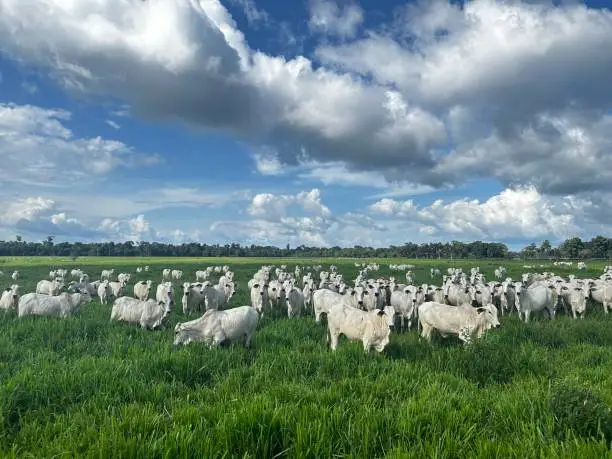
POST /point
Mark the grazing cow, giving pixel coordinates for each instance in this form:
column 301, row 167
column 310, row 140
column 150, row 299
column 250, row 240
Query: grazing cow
column 372, row 328
column 215, row 327
column 463, row 321
column 63, row 305
column 147, row 314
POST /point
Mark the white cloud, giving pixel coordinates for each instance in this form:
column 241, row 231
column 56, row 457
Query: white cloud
column 37, row 148
column 300, row 218
column 267, row 162
column 113, row 124
column 198, row 67
column 515, row 91
column 327, row 17
column 514, row 213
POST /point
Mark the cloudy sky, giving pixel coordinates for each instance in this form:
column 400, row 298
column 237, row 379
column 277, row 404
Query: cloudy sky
column 316, row 122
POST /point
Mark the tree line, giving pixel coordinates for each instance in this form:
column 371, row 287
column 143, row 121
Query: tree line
column 575, row 248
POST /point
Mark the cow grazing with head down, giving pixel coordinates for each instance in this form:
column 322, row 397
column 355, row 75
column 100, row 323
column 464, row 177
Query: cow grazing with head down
column 463, row 321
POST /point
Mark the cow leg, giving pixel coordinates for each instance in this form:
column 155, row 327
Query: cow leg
column 426, row 332
column 247, row 340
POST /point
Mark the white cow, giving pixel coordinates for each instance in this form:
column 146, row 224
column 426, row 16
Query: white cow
column 107, row 274
column 463, row 321
column 456, row 295
column 147, row 314
column 576, row 297
column 165, row 294
column 142, row 289
column 15, row 276
column 118, row 288
column 323, row 300
column 177, row 274
column 104, row 291
column 276, row 293
column 307, row 292
column 124, row 277
column 372, row 328
column 91, row 288
column 166, row 274
column 259, row 297
column 10, row 297
column 52, row 288
column 215, row 327
column 404, row 304
column 64, row 305
column 602, row 293
column 537, row 297
column 193, row 299
column 295, row 300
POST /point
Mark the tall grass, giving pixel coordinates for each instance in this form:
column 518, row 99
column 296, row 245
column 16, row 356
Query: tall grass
column 88, row 388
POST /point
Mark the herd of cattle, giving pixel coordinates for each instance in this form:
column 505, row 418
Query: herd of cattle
column 364, row 309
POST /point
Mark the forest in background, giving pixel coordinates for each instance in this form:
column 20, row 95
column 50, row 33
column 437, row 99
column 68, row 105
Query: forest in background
column 573, row 248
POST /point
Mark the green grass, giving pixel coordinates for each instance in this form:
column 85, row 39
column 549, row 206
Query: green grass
column 84, row 387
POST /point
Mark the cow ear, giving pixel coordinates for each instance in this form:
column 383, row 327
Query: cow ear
column 381, row 312
column 480, row 310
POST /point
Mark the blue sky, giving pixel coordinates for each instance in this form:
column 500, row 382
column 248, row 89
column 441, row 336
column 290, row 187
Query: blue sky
column 313, row 122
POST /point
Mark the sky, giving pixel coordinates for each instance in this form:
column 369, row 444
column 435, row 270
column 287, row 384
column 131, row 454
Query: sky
column 314, row 122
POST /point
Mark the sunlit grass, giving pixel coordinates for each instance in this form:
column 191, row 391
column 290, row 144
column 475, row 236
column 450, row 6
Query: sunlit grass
column 88, row 388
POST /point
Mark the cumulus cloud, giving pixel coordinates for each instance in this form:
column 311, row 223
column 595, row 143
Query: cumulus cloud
column 198, row 68
column 513, row 91
column 42, row 217
column 37, row 148
column 300, row 218
column 513, row 213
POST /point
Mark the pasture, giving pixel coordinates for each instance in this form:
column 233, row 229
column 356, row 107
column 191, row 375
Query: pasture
column 89, row 388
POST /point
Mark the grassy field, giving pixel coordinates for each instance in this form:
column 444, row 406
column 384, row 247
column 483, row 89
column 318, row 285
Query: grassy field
column 88, row 388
